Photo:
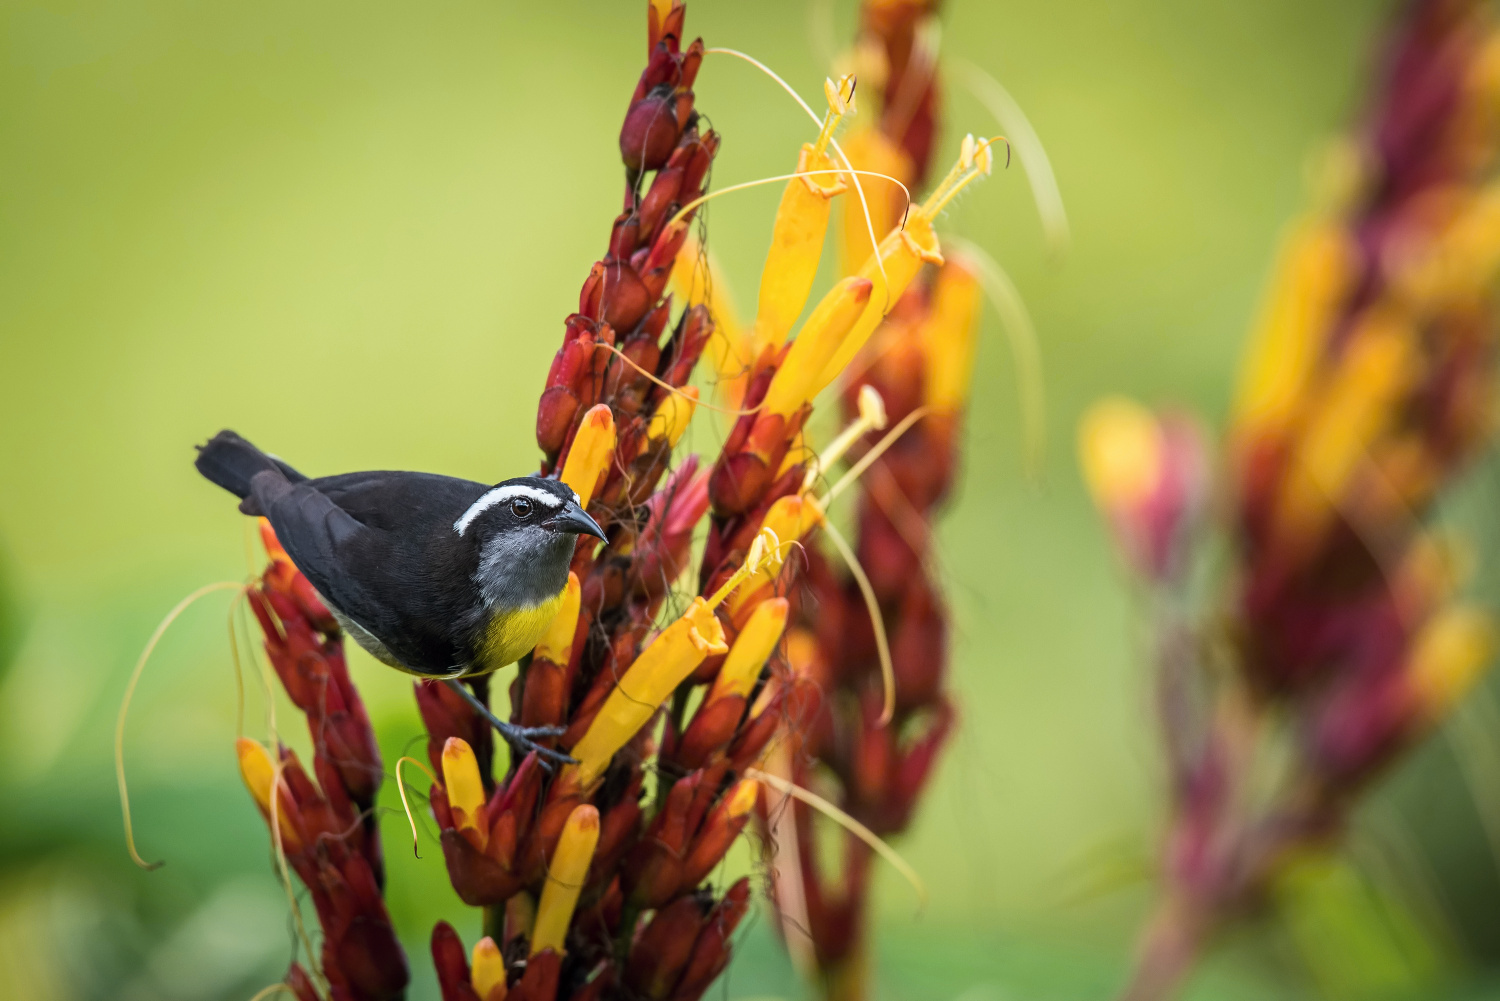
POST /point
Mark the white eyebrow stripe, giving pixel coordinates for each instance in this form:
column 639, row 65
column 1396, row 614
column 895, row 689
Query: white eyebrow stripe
column 499, row 495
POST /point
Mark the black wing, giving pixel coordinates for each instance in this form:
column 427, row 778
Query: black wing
column 409, row 502
column 380, row 547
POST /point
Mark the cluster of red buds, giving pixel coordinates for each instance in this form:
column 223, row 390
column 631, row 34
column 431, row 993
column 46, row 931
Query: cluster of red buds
column 324, row 830
column 1369, row 384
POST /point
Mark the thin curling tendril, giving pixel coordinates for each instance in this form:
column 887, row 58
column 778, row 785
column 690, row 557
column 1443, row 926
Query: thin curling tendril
column 877, row 624
column 239, row 671
column 869, row 837
column 1045, row 193
column 401, row 788
column 135, row 677
column 745, row 185
column 271, row 991
column 676, row 390
column 1026, row 353
column 284, row 870
column 859, row 189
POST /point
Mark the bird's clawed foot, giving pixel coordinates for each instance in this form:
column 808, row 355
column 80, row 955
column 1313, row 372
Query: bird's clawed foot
column 521, row 738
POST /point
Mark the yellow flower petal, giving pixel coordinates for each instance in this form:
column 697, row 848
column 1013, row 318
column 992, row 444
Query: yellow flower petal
column 588, row 459
column 565, row 878
column 752, row 648
column 465, row 790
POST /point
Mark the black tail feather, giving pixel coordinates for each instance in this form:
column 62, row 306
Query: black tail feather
column 232, row 462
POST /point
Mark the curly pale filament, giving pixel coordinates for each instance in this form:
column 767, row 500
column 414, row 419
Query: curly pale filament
column 869, row 837
column 859, row 189
column 682, row 213
column 135, row 677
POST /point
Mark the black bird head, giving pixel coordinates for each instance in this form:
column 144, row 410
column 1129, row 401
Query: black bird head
column 524, row 529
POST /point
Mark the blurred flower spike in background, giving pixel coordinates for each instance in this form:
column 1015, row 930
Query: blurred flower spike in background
column 1368, row 385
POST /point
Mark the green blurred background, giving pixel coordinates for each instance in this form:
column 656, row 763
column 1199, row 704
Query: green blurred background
column 352, row 231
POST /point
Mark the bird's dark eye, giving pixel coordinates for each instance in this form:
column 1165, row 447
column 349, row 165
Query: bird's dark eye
column 521, row 507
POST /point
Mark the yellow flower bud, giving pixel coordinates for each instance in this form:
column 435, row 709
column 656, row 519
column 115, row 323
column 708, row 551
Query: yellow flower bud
column 1461, row 261
column 948, row 337
column 1120, row 449
column 742, row 798
column 465, row 790
column 802, row 651
column 796, row 244
column 557, row 642
column 1448, row 656
column 565, row 878
column 1312, row 280
column 674, row 654
column 487, row 971
column 1348, row 413
column 672, row 416
column 902, row 253
column 588, row 459
column 259, row 772
column 752, row 648
column 819, row 340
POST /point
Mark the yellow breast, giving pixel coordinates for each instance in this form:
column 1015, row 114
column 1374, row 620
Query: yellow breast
column 511, row 633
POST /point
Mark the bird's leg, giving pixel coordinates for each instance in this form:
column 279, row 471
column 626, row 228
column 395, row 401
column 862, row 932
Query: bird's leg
column 520, row 737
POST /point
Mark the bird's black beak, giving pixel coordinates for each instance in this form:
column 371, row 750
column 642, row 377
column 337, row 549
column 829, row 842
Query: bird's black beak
column 574, row 519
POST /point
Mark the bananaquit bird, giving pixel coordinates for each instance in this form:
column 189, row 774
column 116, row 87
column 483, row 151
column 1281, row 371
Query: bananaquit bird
column 437, row 576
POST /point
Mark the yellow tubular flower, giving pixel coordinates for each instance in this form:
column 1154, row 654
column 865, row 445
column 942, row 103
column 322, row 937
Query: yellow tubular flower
column 869, row 149
column 661, row 667
column 1120, row 449
column 1312, row 280
column 588, row 459
column 565, row 878
column 801, row 222
column 557, row 642
column 796, row 245
column 487, row 971
column 819, row 339
column 1351, row 411
column 752, row 648
column 1449, row 655
column 465, row 790
column 1463, row 259
column 742, row 798
column 258, row 772
column 948, row 337
column 903, row 251
column 671, row 418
